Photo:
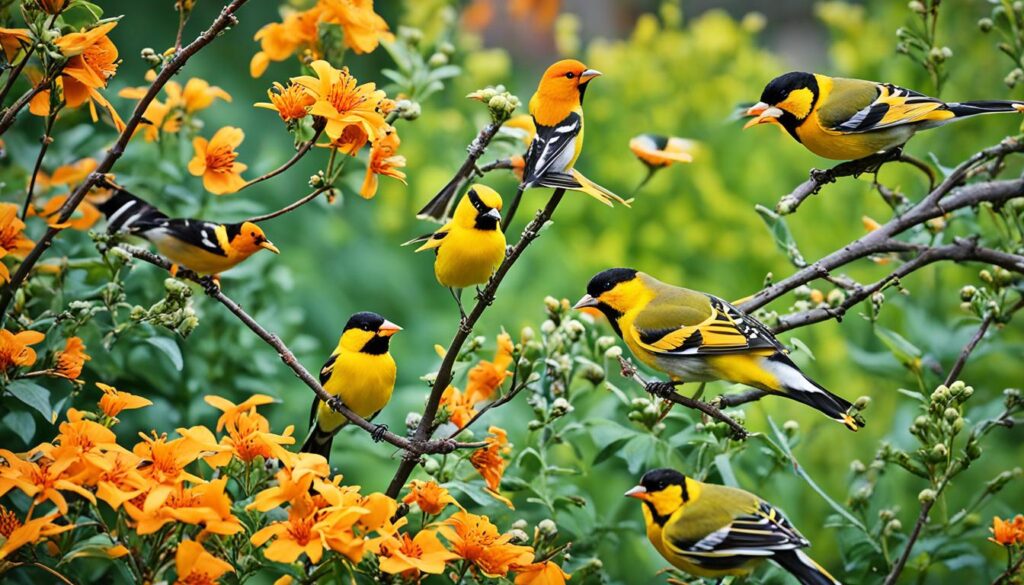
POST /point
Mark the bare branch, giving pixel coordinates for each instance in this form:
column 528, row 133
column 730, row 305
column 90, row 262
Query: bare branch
column 292, row 206
column 435, row 209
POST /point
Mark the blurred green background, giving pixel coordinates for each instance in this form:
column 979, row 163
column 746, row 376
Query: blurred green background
column 677, row 68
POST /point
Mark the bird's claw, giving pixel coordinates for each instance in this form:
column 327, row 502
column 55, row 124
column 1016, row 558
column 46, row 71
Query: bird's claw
column 661, row 389
column 211, row 284
column 335, row 403
column 823, row 176
column 378, row 433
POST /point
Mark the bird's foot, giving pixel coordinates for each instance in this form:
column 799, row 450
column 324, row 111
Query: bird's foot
column 661, row 389
column 174, row 269
column 211, row 284
column 483, row 297
column 335, row 403
column 823, row 176
column 378, row 433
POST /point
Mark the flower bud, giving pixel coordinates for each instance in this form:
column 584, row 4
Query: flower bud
column 985, row 25
column 412, row 420
column 886, row 515
column 938, row 453
column 985, row 276
column 518, row 536
column 574, row 329
column 835, row 297
column 967, row 293
column 613, row 353
column 547, row 327
column 430, row 465
column 437, row 60
column 592, row 373
column 547, row 527
column 926, row 496
column 817, row 297
column 526, row 334
column 917, row 6
column 519, row 524
column 560, row 407
column 446, row 48
column 951, row 414
column 790, row 427
column 534, row 425
column 857, row 467
column 894, row 525
column 862, row 402
column 973, row 450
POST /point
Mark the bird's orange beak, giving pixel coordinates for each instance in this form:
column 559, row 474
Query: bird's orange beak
column 589, row 74
column 268, row 245
column 639, row 492
column 387, row 329
column 764, row 113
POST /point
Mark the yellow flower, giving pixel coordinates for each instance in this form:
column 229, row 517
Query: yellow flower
column 429, row 496
column 13, row 39
column 231, row 410
column 293, row 480
column 214, row 161
column 42, row 480
column 195, row 566
column 383, row 161
column 280, row 40
column 546, row 573
column 15, row 350
column 291, row 103
column 197, row 95
column 301, row 533
column 119, row 479
column 475, row 539
column 92, row 61
column 411, row 556
column 11, row 237
column 363, row 28
column 164, row 466
column 655, row 150
column 71, row 360
column 114, row 401
column 341, row 101
column 17, row 534
column 84, row 217
column 85, row 443
column 205, row 504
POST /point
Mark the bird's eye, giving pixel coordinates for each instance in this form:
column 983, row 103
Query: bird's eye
column 570, row 75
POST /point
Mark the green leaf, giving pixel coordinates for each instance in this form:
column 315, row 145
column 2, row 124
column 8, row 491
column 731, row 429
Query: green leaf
column 169, row 348
column 780, row 232
column 638, row 452
column 724, row 467
column 802, row 347
column 22, row 424
column 915, row 395
column 610, row 449
column 34, row 396
column 907, row 353
column 94, row 546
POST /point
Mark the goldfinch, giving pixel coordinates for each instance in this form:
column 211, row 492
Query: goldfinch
column 696, row 337
column 716, row 531
column 470, row 247
column 201, row 246
column 849, row 119
column 360, row 373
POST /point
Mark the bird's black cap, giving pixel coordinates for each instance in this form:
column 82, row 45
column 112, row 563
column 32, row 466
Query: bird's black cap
column 779, row 88
column 656, row 480
column 365, row 320
column 606, row 281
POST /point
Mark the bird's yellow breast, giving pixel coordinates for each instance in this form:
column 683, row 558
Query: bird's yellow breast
column 468, row 257
column 363, row 381
column 849, row 146
column 195, row 258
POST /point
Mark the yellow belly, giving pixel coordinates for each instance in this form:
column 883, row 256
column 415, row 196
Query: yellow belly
column 745, row 369
column 838, row 146
column 654, row 534
column 364, row 383
column 469, row 257
column 193, row 258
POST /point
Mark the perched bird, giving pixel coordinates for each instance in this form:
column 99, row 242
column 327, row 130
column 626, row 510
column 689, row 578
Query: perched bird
column 470, row 247
column 360, row 373
column 849, row 119
column 716, row 531
column 557, row 110
column 201, row 246
column 696, row 337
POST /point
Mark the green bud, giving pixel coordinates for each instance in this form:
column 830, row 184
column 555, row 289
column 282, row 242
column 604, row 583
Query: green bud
column 446, row 48
column 951, row 414
column 917, row 6
column 957, row 426
column 835, row 297
column 536, row 425
column 967, row 293
column 885, row 514
column 857, row 467
column 973, row 450
column 592, row 373
column 972, row 521
column 430, row 465
column 412, row 420
column 985, row 24
column 939, row 452
column 926, row 496
column 985, row 276
column 790, row 427
column 613, row 353
column 560, row 407
column 862, row 402
column 893, row 526
column 437, row 60
column 547, row 527
column 519, row 524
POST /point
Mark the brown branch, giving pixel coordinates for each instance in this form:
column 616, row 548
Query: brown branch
column 436, row 208
column 225, row 19
column 901, row 562
column 318, row 125
column 1005, row 576
column 501, row 163
column 11, row 113
column 292, row 206
column 629, row 371
column 444, row 373
column 289, row 359
column 819, row 178
column 961, row 361
column 15, row 72
column 738, row 398
column 46, row 140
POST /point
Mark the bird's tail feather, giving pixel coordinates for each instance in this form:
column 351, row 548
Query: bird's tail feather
column 796, row 385
column 437, row 209
column 128, row 213
column 577, row 182
column 804, row 568
column 319, row 442
column 964, row 109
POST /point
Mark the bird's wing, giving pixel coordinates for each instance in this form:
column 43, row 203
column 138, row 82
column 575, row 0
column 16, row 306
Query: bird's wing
column 686, row 322
column 325, row 374
column 757, row 533
column 431, row 241
column 548, row 145
column 196, row 232
column 891, row 106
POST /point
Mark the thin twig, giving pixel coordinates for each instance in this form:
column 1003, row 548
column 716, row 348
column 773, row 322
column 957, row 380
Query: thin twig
column 819, row 178
column 15, row 72
column 1005, row 576
column 444, row 373
column 11, row 113
column 738, row 398
column 922, row 519
column 512, row 208
column 225, row 19
column 505, row 399
column 46, row 140
column 966, row 352
column 630, row 371
column 437, row 207
column 289, row 359
column 318, row 125
column 292, row 206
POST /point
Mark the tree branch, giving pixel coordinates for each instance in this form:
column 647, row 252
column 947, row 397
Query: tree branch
column 11, row 113
column 289, row 359
column 444, row 373
column 292, row 206
column 436, row 208
column 318, row 126
column 223, row 21
column 629, row 371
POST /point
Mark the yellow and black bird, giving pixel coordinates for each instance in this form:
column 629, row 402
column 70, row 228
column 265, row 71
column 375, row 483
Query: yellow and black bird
column 697, row 337
column 470, row 247
column 360, row 373
column 203, row 247
column 716, row 531
column 850, row 119
column 557, row 110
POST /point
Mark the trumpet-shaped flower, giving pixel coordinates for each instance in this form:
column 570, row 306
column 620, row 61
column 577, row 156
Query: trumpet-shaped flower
column 195, row 566
column 475, row 539
column 71, row 359
column 17, row 534
column 383, row 161
column 215, row 162
column 409, row 557
column 341, row 101
column 15, row 350
column 291, row 103
column 114, row 401
column 431, row 498
column 42, row 480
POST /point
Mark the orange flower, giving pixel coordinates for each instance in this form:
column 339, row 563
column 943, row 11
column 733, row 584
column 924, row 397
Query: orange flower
column 489, row 460
column 655, row 150
column 341, row 101
column 870, row 224
column 280, row 40
column 70, row 174
column 52, row 6
column 164, row 466
column 291, row 103
column 546, row 573
column 11, row 237
column 114, row 401
column 353, row 138
column 249, row 437
column 71, row 360
column 197, row 95
column 92, row 61
column 42, row 480
column 475, row 539
column 86, row 444
column 411, row 556
column 195, row 566
column 85, row 216
column 214, row 161
column 13, row 39
column 205, row 504
column 293, row 480
column 459, row 406
column 17, row 534
column 429, row 496
column 15, row 350
column 378, row 509
column 363, row 28
column 1007, row 532
column 301, row 533
column 383, row 161
column 231, row 410
column 119, row 480
column 542, row 13
column 486, row 377
column 478, row 14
